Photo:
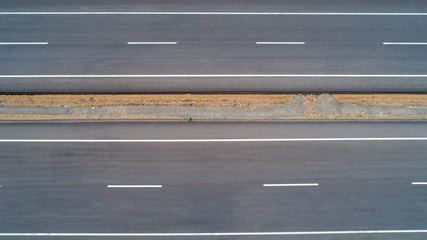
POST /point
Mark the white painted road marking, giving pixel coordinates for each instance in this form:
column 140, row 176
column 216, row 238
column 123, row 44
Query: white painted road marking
column 280, row 43
column 208, row 140
column 224, row 13
column 405, row 43
column 152, row 43
column 419, row 183
column 134, row 186
column 224, row 76
column 209, row 234
column 292, row 185
column 24, row 43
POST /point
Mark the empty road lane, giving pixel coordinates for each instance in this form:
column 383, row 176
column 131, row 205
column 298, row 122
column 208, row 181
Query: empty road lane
column 182, row 46
column 293, row 180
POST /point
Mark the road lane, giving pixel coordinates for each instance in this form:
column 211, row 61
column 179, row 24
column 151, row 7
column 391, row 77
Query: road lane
column 213, row 187
column 211, row 130
column 212, row 45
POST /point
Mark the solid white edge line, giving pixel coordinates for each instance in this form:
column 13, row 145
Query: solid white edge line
column 405, row 43
column 280, row 43
column 292, row 185
column 207, row 140
column 419, row 183
column 134, row 186
column 223, row 76
column 208, row 234
column 152, row 43
column 223, row 13
column 24, row 43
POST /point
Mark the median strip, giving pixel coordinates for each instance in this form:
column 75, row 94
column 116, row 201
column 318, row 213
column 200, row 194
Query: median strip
column 213, row 106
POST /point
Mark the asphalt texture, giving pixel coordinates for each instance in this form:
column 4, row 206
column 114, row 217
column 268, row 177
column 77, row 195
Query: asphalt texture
column 212, row 45
column 213, row 187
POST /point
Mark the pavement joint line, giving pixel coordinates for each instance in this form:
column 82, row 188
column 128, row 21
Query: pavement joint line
column 280, row 43
column 211, row 234
column 207, row 140
column 405, row 43
column 217, row 13
column 419, row 183
column 134, row 186
column 221, row 76
column 24, row 43
column 292, row 185
column 152, row 43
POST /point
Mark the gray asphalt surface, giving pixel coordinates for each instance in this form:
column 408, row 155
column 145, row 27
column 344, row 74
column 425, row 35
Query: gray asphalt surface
column 213, row 187
column 213, row 44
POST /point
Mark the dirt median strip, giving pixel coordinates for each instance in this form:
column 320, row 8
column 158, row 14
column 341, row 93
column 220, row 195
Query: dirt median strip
column 185, row 100
column 214, row 106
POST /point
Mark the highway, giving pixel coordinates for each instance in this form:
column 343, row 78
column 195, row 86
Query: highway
column 195, row 180
column 214, row 46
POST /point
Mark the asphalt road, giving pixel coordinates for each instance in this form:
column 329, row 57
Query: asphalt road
column 214, row 187
column 213, row 53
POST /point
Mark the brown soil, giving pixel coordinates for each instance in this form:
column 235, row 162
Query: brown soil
column 308, row 103
column 383, row 99
column 78, row 117
column 208, row 100
column 12, row 117
column 194, row 100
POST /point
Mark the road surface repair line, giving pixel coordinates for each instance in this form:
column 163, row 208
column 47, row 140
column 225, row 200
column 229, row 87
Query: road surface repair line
column 210, row 234
column 223, row 76
column 223, row 13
